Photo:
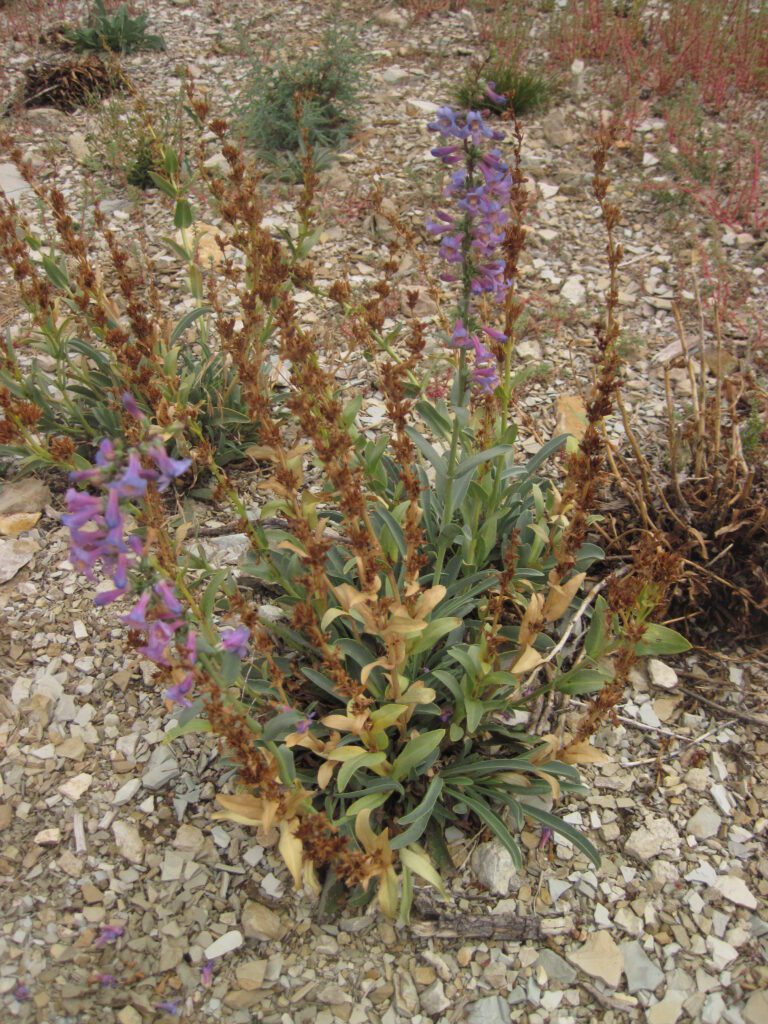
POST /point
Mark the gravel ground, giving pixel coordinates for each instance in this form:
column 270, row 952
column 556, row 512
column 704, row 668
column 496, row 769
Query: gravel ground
column 124, row 900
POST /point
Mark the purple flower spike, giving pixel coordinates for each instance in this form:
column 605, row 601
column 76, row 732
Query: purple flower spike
column 21, row 992
column 206, row 973
column 236, row 641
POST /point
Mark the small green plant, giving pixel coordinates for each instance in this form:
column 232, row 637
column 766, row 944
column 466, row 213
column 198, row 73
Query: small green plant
column 302, row 101
column 118, row 32
column 131, row 140
column 525, row 91
column 61, row 382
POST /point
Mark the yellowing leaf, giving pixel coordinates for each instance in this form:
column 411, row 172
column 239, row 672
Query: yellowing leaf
column 292, row 851
column 364, row 832
column 582, row 753
column 388, row 893
column 419, row 863
column 263, row 452
column 345, row 753
column 529, row 626
column 241, row 808
column 560, row 597
column 527, row 661
column 429, row 600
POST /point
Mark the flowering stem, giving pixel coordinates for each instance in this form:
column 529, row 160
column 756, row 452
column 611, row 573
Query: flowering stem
column 448, row 503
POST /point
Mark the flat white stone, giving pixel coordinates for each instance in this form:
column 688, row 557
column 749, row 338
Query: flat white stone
column 74, row 788
column 722, row 798
column 703, row 873
column 735, row 890
column 226, row 943
column 126, row 792
column 721, row 953
column 661, row 675
column 11, row 182
column 705, row 823
column 129, row 842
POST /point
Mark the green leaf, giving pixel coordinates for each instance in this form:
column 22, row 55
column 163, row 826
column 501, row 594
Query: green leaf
column 582, row 680
column 429, row 453
column 164, row 185
column 439, row 424
column 324, row 683
column 475, row 710
column 348, row 769
column 184, row 254
column 558, row 825
column 659, row 639
column 183, row 217
column 387, row 521
column 368, row 802
column 435, row 631
column 280, row 726
column 546, row 451
column 494, row 823
column 467, row 465
column 428, row 802
column 596, row 640
column 194, row 725
column 187, row 320
column 208, row 601
column 55, row 274
column 415, row 752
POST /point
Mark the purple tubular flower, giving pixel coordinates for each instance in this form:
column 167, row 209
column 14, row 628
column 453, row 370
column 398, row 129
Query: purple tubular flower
column 547, row 835
column 450, row 155
column 109, row 933
column 106, row 980
column 83, row 508
column 493, row 96
column 168, row 468
column 178, row 694
column 108, row 596
column 304, row 724
column 170, row 1006
column 21, row 992
column 235, row 641
column 499, row 336
column 137, row 616
column 460, row 337
column 131, row 406
column 159, row 636
column 133, row 482
column 206, row 973
column 167, row 594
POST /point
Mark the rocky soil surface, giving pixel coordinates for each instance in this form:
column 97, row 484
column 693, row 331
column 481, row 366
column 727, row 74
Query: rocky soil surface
column 123, row 899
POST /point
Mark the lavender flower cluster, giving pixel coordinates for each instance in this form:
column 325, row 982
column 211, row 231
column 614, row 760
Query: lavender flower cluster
column 472, row 233
column 97, row 527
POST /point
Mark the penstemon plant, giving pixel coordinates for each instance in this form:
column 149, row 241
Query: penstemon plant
column 421, row 593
